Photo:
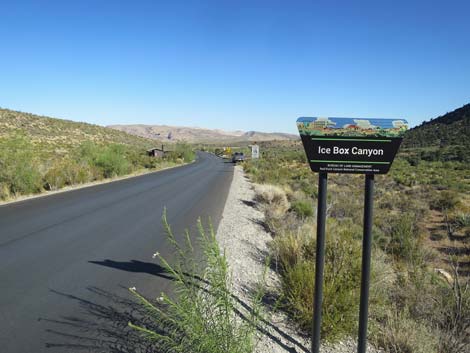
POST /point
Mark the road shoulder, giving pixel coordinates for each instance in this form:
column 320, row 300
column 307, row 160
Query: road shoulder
column 246, row 244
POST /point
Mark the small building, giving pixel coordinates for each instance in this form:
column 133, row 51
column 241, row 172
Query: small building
column 157, row 152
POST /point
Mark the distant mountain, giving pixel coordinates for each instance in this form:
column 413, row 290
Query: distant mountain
column 199, row 135
column 451, row 129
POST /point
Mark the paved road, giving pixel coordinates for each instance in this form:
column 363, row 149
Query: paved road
column 67, row 260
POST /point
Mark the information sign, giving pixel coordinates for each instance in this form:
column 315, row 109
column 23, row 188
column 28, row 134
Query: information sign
column 348, row 145
column 254, row 151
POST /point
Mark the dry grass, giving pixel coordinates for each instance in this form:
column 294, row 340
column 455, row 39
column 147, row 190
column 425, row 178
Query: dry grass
column 412, row 309
column 273, row 200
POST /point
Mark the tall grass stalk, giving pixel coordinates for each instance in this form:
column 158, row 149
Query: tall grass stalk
column 204, row 316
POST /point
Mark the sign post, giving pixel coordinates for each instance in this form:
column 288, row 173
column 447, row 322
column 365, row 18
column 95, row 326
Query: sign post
column 346, row 145
column 366, row 254
column 319, row 260
column 254, row 151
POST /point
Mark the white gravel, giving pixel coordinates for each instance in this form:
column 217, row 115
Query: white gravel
column 245, row 241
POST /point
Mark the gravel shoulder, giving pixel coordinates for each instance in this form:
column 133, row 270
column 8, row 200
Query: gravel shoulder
column 245, row 242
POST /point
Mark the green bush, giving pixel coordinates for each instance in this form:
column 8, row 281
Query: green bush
column 404, row 238
column 295, row 255
column 302, row 208
column 204, row 316
column 65, row 173
column 4, row 191
column 185, row 152
column 112, row 161
column 25, row 178
column 18, row 169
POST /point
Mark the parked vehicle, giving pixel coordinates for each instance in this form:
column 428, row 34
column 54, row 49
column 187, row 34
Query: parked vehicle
column 238, row 157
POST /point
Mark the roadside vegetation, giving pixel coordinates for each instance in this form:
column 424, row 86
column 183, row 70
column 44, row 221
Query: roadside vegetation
column 39, row 154
column 420, row 295
column 202, row 315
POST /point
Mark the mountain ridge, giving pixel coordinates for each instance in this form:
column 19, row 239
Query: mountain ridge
column 198, row 134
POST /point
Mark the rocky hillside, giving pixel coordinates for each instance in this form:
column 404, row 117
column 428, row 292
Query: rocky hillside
column 58, row 135
column 198, row 135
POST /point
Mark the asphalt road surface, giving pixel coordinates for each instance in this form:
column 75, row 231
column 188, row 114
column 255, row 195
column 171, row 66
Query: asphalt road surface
column 66, row 260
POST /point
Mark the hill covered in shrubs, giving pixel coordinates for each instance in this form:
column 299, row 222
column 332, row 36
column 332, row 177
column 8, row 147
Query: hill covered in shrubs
column 445, row 138
column 40, row 153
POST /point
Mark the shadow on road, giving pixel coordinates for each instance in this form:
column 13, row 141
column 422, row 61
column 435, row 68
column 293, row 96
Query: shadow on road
column 100, row 327
column 135, row 266
column 103, row 323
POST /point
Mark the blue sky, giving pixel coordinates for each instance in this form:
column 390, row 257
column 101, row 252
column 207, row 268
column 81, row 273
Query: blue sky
column 250, row 65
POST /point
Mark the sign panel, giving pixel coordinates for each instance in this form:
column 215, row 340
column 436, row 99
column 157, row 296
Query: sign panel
column 254, row 151
column 348, row 145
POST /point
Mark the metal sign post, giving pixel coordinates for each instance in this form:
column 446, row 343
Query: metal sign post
column 346, row 145
column 319, row 260
column 366, row 254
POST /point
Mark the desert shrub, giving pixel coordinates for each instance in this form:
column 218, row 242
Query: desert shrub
column 344, row 205
column 150, row 162
column 386, row 202
column 66, row 172
column 4, row 191
column 298, row 289
column 203, row 318
column 18, row 168
column 288, row 248
column 425, row 313
column 25, row 178
column 404, row 238
column 112, row 161
column 308, row 187
column 31, row 162
column 399, row 235
column 413, row 159
column 462, row 220
column 273, row 196
column 88, row 152
column 251, row 167
column 54, row 178
column 453, row 314
column 273, row 200
column 295, row 254
column 302, row 208
column 445, row 200
column 401, row 334
column 185, row 152
column 182, row 152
